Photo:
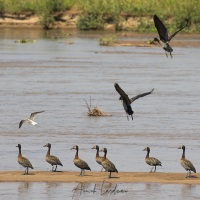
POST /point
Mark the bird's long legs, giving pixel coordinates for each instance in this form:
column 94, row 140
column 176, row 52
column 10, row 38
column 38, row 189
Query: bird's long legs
column 166, row 54
column 128, row 117
column 82, row 172
column 26, row 171
column 109, row 175
column 102, row 170
column 188, row 174
column 152, row 169
column 55, row 169
column 155, row 169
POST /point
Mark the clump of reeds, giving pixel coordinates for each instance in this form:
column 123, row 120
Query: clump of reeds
column 25, row 41
column 94, row 110
column 107, row 40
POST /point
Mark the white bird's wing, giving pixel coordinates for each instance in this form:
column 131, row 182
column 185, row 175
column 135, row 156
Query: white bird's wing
column 22, row 121
column 32, row 116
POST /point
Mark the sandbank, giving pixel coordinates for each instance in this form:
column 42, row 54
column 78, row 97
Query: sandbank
column 121, row 177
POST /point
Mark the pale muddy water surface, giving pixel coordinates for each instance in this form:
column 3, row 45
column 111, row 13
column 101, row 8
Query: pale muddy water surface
column 55, row 76
column 89, row 191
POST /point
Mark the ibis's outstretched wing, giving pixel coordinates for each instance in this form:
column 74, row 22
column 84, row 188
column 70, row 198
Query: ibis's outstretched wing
column 162, row 30
column 123, row 95
column 171, row 36
column 141, row 95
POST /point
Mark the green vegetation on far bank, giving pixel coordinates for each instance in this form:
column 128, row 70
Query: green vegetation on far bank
column 44, row 9
column 133, row 15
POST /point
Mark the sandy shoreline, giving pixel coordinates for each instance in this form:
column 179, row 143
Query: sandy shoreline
column 122, row 177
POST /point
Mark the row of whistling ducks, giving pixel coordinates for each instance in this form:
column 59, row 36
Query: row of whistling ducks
column 106, row 164
column 187, row 165
column 53, row 160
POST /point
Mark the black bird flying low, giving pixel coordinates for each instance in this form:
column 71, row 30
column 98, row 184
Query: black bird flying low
column 126, row 101
column 163, row 34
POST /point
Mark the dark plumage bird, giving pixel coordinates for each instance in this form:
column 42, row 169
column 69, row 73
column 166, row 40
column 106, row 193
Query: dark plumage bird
column 126, row 101
column 107, row 164
column 53, row 160
column 98, row 158
column 151, row 161
column 80, row 163
column 163, row 34
column 187, row 165
column 23, row 161
column 30, row 120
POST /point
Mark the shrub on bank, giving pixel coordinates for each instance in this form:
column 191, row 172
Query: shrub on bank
column 45, row 9
column 173, row 13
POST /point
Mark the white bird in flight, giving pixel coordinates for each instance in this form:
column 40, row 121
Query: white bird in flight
column 30, row 119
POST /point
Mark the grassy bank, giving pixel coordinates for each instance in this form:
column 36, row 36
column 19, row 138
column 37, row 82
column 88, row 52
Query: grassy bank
column 133, row 15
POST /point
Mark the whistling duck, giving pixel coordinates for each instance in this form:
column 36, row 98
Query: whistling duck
column 53, row 160
column 80, row 163
column 151, row 161
column 107, row 164
column 98, row 158
column 187, row 165
column 23, row 161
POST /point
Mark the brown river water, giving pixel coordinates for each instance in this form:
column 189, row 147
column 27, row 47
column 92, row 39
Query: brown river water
column 55, row 76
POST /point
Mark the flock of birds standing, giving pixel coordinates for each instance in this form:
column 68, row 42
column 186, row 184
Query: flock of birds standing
column 101, row 160
column 126, row 102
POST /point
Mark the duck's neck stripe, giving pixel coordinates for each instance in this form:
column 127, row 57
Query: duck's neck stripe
column 105, row 154
column 48, row 152
column 76, row 155
column 20, row 153
column 97, row 154
column 183, row 155
column 147, row 156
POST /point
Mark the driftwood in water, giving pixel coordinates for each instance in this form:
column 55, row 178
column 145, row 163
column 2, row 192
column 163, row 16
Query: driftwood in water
column 94, row 111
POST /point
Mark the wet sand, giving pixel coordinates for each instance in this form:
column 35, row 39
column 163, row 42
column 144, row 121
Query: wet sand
column 122, row 177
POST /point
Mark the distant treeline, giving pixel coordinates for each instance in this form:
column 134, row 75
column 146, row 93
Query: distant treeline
column 94, row 14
